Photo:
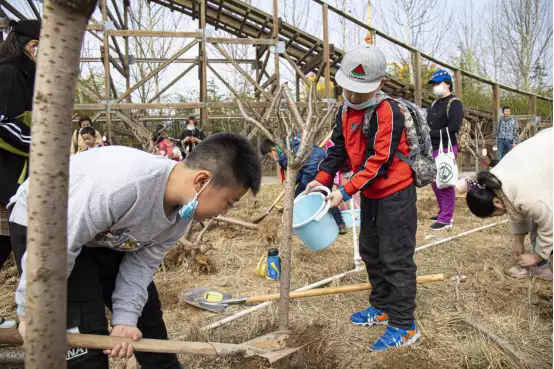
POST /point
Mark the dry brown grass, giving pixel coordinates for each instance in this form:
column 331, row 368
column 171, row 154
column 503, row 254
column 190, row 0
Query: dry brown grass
column 519, row 311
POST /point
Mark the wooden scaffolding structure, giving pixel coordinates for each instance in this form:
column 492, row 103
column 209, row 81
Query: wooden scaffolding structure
column 247, row 25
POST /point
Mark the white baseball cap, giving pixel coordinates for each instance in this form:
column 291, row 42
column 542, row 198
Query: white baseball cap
column 362, row 69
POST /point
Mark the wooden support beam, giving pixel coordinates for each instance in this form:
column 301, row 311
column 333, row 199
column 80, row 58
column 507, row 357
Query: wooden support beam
column 276, row 24
column 264, row 65
column 220, row 6
column 533, row 112
column 495, row 101
column 157, row 70
column 326, row 55
column 107, row 86
column 143, row 33
column 12, row 9
column 194, row 105
column 203, row 58
column 308, row 53
column 126, row 46
column 118, row 14
column 181, row 75
column 244, row 19
column 458, row 90
column 242, row 71
column 34, row 9
column 418, row 93
column 264, row 26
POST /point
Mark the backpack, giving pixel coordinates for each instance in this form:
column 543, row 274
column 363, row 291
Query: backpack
column 418, row 138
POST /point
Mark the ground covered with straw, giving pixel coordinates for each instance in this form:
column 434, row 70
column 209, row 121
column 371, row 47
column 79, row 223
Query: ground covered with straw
column 517, row 311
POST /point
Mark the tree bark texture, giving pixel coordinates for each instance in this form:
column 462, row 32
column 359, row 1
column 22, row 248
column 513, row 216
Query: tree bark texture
column 286, row 247
column 64, row 23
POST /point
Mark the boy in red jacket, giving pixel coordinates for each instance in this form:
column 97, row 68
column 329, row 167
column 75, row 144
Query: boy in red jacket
column 388, row 201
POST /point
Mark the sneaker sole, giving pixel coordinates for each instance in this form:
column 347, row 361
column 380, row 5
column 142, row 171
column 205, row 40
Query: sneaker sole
column 383, row 322
column 415, row 339
column 448, row 226
column 519, row 276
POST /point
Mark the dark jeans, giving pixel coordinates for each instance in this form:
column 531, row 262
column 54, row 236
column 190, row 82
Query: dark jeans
column 5, row 249
column 504, row 146
column 89, row 290
column 387, row 244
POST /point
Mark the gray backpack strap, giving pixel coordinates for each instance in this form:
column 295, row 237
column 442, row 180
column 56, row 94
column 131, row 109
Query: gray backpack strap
column 404, row 158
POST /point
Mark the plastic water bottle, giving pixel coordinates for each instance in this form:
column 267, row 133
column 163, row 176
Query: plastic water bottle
column 273, row 264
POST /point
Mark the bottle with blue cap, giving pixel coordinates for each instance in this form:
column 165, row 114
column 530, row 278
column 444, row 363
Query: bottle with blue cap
column 273, row 264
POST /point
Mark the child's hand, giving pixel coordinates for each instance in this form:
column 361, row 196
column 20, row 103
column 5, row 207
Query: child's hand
column 311, row 185
column 336, row 198
column 123, row 350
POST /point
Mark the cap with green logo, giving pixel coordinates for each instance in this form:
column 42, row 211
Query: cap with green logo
column 362, row 69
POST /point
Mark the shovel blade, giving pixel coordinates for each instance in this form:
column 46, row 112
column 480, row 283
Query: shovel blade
column 271, row 346
column 214, row 307
column 196, row 297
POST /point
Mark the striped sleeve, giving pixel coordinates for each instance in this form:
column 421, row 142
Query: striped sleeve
column 381, row 147
column 15, row 133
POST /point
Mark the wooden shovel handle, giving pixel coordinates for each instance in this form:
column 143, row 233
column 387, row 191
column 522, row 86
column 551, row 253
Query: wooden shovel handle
column 91, row 341
column 341, row 289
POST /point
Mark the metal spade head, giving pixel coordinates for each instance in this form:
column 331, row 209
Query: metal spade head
column 271, row 346
column 206, row 298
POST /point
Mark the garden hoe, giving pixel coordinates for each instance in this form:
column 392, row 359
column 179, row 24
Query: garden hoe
column 216, row 301
column 271, row 346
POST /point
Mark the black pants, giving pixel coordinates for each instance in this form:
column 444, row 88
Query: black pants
column 387, row 244
column 89, row 290
column 5, row 249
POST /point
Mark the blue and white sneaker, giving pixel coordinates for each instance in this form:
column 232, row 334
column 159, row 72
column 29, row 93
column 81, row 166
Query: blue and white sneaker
column 370, row 316
column 395, row 337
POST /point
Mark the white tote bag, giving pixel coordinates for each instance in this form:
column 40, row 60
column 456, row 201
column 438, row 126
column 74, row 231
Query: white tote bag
column 447, row 169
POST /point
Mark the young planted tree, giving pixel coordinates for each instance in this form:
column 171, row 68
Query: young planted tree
column 63, row 27
column 289, row 124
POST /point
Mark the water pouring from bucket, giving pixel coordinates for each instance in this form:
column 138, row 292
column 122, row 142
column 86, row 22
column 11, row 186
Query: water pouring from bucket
column 311, row 220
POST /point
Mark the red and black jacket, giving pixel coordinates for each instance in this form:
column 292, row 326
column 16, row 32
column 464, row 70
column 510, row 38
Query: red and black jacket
column 378, row 172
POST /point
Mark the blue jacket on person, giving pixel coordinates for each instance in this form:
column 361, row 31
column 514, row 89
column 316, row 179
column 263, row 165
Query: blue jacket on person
column 309, row 169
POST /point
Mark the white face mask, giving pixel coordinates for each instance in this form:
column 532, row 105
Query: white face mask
column 361, row 106
column 190, row 127
column 438, row 90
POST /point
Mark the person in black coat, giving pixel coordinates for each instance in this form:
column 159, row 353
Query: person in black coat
column 17, row 78
column 191, row 136
column 444, row 118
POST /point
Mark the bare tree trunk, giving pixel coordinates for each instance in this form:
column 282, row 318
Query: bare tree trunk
column 64, row 24
column 286, row 248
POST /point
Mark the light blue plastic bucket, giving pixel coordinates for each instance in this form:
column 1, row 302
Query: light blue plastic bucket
column 311, row 221
column 347, row 217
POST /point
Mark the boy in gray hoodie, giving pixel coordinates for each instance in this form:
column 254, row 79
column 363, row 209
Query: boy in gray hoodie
column 123, row 217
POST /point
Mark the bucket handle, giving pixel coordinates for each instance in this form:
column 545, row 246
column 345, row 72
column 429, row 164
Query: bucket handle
column 327, row 204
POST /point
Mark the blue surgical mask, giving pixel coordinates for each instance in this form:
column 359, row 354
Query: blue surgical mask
column 187, row 211
column 361, row 106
